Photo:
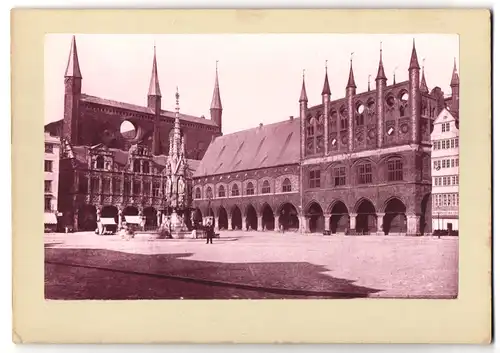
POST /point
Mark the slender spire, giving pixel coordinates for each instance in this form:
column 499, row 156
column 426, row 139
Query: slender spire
column 454, row 77
column 414, row 59
column 73, row 68
column 177, row 124
column 303, row 94
column 326, row 85
column 369, row 77
column 154, row 84
column 216, row 102
column 381, row 72
column 423, row 83
column 350, row 82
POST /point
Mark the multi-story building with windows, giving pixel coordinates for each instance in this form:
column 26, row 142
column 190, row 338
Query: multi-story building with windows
column 359, row 163
column 445, row 171
column 109, row 170
column 51, row 181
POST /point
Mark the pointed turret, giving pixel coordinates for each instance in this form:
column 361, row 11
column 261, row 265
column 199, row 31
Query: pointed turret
column 303, row 94
column 423, row 83
column 73, row 67
column 216, row 105
column 414, row 59
column 326, row 85
column 72, row 91
column 154, row 83
column 455, row 80
column 381, row 72
column 350, row 81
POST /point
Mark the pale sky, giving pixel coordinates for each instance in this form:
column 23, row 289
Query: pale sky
column 260, row 75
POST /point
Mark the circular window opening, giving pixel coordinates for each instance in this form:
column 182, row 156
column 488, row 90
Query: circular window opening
column 390, row 101
column 128, row 130
column 404, row 97
column 360, row 108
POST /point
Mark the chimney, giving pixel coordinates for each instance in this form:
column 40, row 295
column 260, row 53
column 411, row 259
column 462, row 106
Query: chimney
column 291, row 117
column 260, row 125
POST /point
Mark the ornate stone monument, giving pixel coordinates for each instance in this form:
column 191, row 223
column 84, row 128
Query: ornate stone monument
column 177, row 181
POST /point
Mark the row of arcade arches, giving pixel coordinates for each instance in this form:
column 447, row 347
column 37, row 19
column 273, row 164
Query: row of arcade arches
column 87, row 216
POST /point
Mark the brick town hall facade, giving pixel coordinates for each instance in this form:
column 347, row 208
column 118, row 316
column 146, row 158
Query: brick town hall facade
column 357, row 164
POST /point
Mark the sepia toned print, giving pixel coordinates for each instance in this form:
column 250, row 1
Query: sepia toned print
column 352, row 195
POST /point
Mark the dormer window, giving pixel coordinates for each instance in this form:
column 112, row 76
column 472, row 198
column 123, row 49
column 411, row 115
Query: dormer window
column 99, row 162
column 137, row 166
column 145, row 168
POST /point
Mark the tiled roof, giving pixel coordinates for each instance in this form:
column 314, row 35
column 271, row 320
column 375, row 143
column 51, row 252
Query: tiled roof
column 145, row 110
column 261, row 147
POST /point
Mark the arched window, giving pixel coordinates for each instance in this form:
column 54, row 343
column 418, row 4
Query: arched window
column 310, row 126
column 286, row 186
column 343, row 118
column 401, row 111
column 208, row 192
column 332, row 121
column 360, row 118
column 99, row 162
column 222, row 191
column 137, row 166
column 235, row 191
column 197, row 193
column 145, row 167
column 266, row 188
column 365, row 173
column 250, row 190
column 395, row 169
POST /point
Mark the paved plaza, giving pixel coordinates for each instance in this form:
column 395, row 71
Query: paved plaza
column 250, row 265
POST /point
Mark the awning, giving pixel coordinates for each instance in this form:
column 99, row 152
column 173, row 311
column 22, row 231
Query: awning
column 133, row 219
column 108, row 221
column 49, row 218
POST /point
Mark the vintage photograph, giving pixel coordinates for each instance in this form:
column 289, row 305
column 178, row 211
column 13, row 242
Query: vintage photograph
column 251, row 166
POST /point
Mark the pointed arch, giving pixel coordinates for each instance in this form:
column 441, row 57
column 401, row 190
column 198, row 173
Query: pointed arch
column 267, row 214
column 222, row 218
column 395, row 216
column 250, row 217
column 236, row 218
column 366, row 218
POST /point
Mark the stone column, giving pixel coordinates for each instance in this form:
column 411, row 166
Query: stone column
column 244, row 223
column 216, row 223
column 327, row 221
column 352, row 221
column 305, row 221
column 120, row 216
column 259, row 223
column 229, row 223
column 75, row 221
column 158, row 218
column 277, row 223
column 380, row 223
column 412, row 224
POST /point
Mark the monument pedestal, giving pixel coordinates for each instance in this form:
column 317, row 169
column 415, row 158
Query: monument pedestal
column 179, row 228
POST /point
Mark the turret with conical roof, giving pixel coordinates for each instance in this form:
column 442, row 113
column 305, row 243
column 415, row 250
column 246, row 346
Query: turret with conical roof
column 72, row 92
column 325, row 94
column 154, row 103
column 303, row 115
column 423, row 83
column 216, row 105
column 455, row 85
column 414, row 95
column 350, row 93
column 381, row 82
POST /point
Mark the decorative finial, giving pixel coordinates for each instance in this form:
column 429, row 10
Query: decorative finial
column 177, row 95
column 303, row 73
column 326, row 64
column 216, row 65
column 380, row 45
column 352, row 54
column 369, row 76
column 423, row 63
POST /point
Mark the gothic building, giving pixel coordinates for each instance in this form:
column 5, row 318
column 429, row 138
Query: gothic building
column 106, row 173
column 359, row 164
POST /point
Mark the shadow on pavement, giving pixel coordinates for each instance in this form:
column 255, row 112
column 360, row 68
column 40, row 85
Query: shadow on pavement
column 106, row 274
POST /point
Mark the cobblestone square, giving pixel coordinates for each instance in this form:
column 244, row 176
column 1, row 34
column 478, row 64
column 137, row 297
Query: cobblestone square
column 250, row 265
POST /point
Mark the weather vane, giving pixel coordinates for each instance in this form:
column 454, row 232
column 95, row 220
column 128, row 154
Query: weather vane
column 326, row 64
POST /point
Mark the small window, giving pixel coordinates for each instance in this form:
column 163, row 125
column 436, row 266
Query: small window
column 456, row 162
column 99, row 162
column 137, row 166
column 235, row 191
column 209, row 194
column 48, row 186
column 94, row 185
column 395, row 169
column 447, row 144
column 48, row 166
column 315, row 178
column 452, row 163
column 266, row 187
column 106, row 184
column 156, row 189
column 339, row 176
column 250, row 189
column 443, row 144
column 286, row 186
column 136, row 187
column 197, row 193
column 117, row 186
column 365, row 173
column 222, row 191
column 447, row 163
column 452, row 142
column 456, row 142
column 145, row 167
column 49, row 148
column 146, row 188
column 48, row 204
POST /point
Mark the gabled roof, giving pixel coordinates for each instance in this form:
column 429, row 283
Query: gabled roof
column 146, row 110
column 261, row 147
column 444, row 114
